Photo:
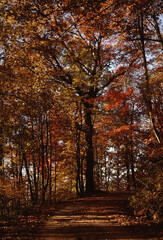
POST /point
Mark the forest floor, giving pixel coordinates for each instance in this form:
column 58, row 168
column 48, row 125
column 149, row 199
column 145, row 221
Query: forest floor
column 98, row 217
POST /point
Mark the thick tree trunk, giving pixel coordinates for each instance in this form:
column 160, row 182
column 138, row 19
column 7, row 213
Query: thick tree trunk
column 89, row 151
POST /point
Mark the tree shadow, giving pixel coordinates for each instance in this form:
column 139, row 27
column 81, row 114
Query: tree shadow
column 101, row 232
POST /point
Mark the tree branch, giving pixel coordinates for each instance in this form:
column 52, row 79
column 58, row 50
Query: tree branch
column 147, row 39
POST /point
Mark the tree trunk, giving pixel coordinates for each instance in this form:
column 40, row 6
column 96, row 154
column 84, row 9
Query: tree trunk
column 118, row 174
column 20, row 166
column 50, row 168
column 89, row 151
column 147, row 95
column 158, row 32
column 1, row 159
column 132, row 152
column 28, row 176
column 78, row 162
column 81, row 175
column 127, row 161
column 1, row 142
column 128, row 176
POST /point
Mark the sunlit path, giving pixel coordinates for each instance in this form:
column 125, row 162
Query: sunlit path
column 95, row 218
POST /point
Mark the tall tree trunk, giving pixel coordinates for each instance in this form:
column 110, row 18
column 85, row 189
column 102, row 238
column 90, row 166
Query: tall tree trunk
column 118, row 173
column 1, row 142
column 55, row 170
column 127, row 161
column 50, row 168
column 97, row 169
column 128, row 176
column 28, row 176
column 1, row 156
column 132, row 152
column 81, row 175
column 147, row 94
column 79, row 162
column 42, row 163
column 45, row 169
column 20, row 166
column 34, row 169
column 158, row 32
column 89, row 151
column 35, row 177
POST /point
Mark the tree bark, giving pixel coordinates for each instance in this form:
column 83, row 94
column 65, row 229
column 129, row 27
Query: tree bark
column 89, row 151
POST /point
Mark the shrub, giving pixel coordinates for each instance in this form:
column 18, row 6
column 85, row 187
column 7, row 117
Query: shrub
column 148, row 199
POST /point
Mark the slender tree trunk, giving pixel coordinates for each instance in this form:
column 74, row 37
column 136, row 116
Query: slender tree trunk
column 20, row 166
column 55, row 170
column 28, row 176
column 89, row 151
column 127, row 166
column 118, row 174
column 47, row 153
column 157, row 29
column 81, row 155
column 106, row 173
column 1, row 142
column 35, row 177
column 45, row 169
column 42, row 163
column 132, row 152
column 147, row 94
column 34, row 168
column 50, row 170
column 128, row 176
column 78, row 161
column 1, row 156
column 97, row 170
column 81, row 175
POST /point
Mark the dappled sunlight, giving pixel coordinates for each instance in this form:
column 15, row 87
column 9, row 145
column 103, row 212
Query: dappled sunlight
column 95, row 218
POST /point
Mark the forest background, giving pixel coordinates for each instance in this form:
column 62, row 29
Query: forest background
column 80, row 102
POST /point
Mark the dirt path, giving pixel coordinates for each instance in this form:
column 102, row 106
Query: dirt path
column 96, row 218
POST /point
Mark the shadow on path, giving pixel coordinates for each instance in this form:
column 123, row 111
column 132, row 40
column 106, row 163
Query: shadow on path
column 95, row 218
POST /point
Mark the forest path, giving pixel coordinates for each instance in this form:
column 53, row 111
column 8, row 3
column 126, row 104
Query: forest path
column 95, row 218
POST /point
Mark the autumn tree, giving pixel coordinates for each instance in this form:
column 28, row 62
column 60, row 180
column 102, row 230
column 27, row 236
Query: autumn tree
column 72, row 57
